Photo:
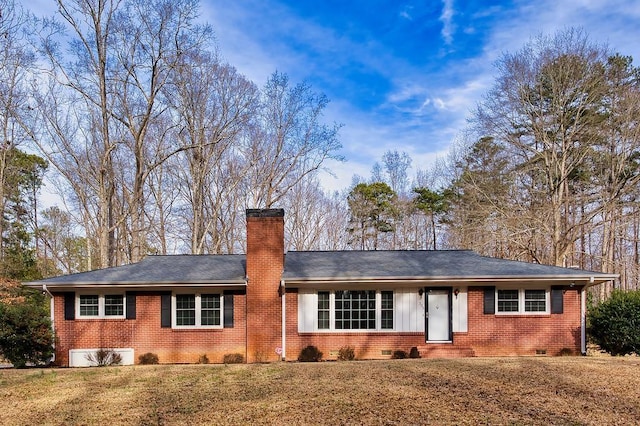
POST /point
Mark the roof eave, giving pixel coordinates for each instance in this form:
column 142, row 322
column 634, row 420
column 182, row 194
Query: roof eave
column 135, row 284
column 587, row 280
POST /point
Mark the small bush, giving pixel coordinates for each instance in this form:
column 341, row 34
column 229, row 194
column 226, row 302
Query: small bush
column 233, row 359
column 204, row 359
column 399, row 354
column 614, row 324
column 346, row 353
column 104, row 357
column 148, row 359
column 310, row 354
column 414, row 353
column 566, row 352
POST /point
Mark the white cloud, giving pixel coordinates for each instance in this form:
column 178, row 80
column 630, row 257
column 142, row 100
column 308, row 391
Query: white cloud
column 446, row 18
column 406, row 13
column 439, row 103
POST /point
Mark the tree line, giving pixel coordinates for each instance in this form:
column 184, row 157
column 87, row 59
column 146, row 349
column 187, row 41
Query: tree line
column 157, row 146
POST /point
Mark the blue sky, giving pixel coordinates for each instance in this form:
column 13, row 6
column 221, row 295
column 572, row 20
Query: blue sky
column 400, row 75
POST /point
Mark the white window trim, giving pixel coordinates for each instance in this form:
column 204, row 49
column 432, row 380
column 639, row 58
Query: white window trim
column 332, row 314
column 101, row 309
column 521, row 300
column 198, row 308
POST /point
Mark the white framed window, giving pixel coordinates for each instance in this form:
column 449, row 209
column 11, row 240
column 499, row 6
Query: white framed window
column 522, row 301
column 100, row 305
column 192, row 310
column 355, row 310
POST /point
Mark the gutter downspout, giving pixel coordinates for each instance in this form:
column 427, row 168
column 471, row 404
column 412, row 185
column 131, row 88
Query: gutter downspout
column 53, row 324
column 246, row 320
column 284, row 320
column 583, row 321
column 583, row 317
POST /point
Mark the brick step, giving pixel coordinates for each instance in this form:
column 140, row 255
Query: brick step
column 445, row 350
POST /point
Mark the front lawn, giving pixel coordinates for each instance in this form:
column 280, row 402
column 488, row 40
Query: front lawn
column 568, row 390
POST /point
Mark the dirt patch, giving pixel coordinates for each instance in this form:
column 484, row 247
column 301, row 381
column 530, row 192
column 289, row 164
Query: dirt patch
column 568, row 390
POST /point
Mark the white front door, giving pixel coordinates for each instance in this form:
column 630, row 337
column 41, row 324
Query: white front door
column 438, row 318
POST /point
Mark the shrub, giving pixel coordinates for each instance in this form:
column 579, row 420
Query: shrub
column 310, row 354
column 233, row 359
column 25, row 333
column 414, row 353
column 148, row 359
column 346, row 353
column 399, row 354
column 566, row 352
column 204, row 359
column 104, row 357
column 614, row 324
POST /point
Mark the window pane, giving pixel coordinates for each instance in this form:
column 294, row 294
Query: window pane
column 323, row 300
column 535, row 301
column 210, row 309
column 89, row 305
column 323, row 310
column 387, row 300
column 387, row 310
column 323, row 320
column 210, row 317
column 210, row 301
column 186, row 309
column 507, row 300
column 113, row 304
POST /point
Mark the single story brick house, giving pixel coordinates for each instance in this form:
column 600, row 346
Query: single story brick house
column 268, row 305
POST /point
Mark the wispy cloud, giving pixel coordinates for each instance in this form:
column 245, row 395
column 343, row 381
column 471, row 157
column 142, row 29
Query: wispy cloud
column 406, row 13
column 448, row 27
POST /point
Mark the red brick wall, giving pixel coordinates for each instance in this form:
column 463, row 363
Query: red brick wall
column 144, row 334
column 487, row 335
column 265, row 263
column 498, row 335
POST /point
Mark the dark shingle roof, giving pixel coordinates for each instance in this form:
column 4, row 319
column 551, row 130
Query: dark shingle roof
column 445, row 264
column 324, row 266
column 183, row 269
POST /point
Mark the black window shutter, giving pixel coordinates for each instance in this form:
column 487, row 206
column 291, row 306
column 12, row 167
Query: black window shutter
column 490, row 300
column 131, row 304
column 165, row 310
column 228, row 309
column 70, row 306
column 557, row 302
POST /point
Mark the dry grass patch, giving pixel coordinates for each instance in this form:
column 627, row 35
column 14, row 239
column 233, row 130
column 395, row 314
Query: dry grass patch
column 418, row 391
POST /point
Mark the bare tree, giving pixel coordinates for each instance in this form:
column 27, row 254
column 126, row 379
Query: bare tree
column 60, row 241
column 289, row 142
column 214, row 105
column 396, row 166
column 153, row 37
column 617, row 168
column 314, row 219
column 545, row 109
column 104, row 115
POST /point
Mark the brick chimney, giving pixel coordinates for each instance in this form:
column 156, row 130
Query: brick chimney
column 265, row 264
